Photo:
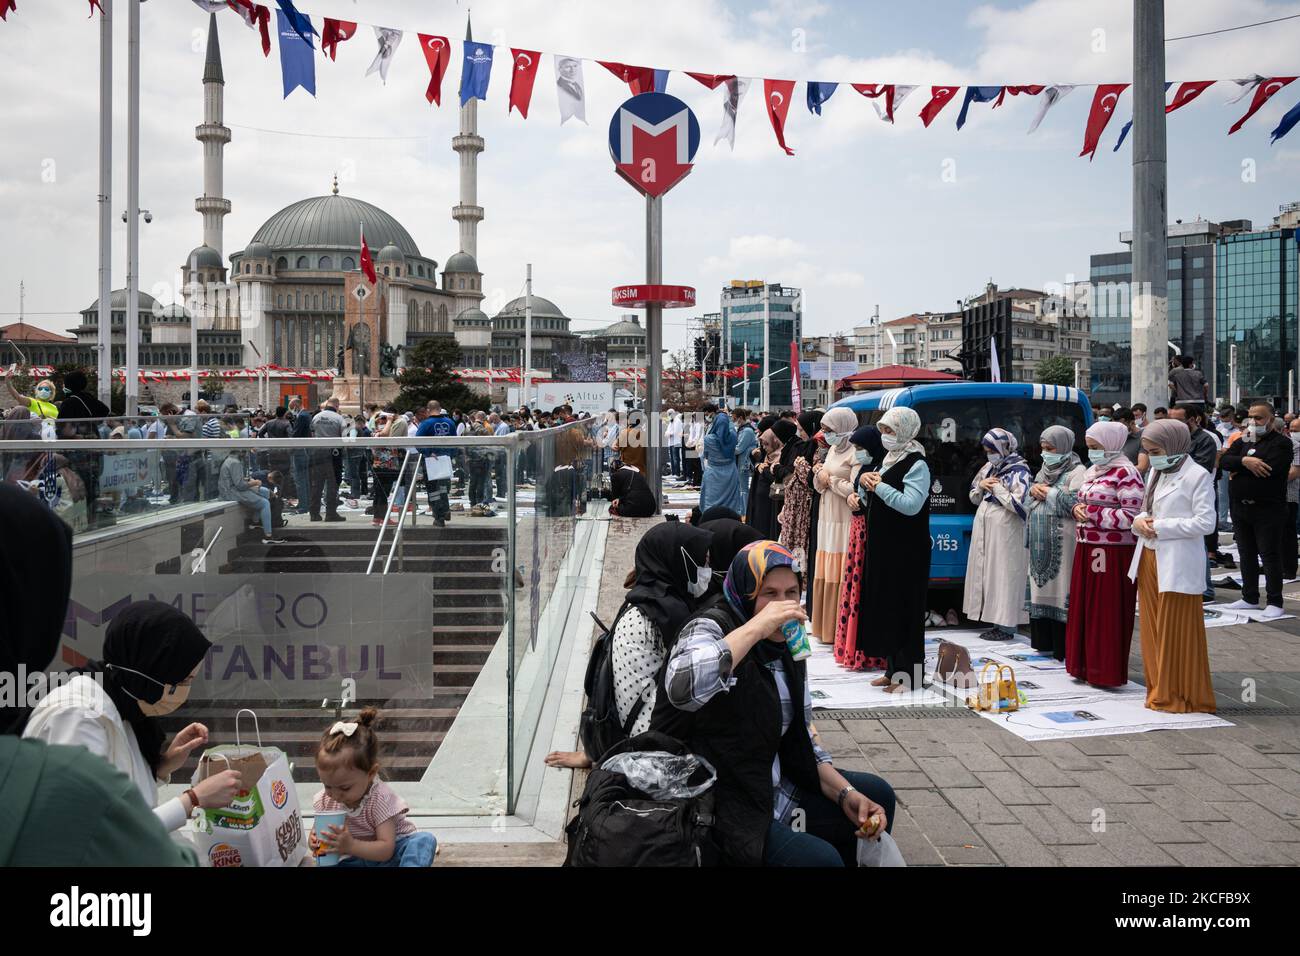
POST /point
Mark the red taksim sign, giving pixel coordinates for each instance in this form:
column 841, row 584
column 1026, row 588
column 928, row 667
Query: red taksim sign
column 639, row 296
column 652, row 139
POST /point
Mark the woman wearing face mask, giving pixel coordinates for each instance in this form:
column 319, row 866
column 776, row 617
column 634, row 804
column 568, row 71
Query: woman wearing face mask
column 998, row 563
column 764, row 503
column 896, row 578
column 868, row 453
column 736, row 697
column 41, row 402
column 672, row 577
column 721, row 483
column 1050, row 532
column 1178, row 510
column 832, row 481
column 152, row 653
column 794, row 471
column 1099, row 629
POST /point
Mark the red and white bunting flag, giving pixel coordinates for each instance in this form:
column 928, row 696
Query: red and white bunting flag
column 207, row 6
column 437, row 53
column 6, row 6
column 1263, row 92
column 334, row 33
column 258, row 17
column 1016, row 91
column 367, row 264
column 639, row 79
column 711, row 80
column 93, row 5
column 1051, row 96
column 1187, row 92
column 940, row 96
column 893, row 94
column 778, row 94
column 1103, row 108
column 1247, row 84
column 521, row 79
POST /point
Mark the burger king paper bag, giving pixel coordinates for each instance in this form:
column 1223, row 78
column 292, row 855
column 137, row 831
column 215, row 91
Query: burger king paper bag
column 262, row 825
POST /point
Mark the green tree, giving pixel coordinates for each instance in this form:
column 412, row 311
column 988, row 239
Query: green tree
column 212, row 385
column 429, row 376
column 1055, row 370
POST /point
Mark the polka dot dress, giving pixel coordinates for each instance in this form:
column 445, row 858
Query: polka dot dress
column 637, row 654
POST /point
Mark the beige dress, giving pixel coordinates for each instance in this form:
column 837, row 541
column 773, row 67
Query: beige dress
column 833, row 521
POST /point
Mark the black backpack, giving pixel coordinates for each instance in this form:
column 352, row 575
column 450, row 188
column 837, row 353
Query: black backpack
column 618, row 825
column 600, row 728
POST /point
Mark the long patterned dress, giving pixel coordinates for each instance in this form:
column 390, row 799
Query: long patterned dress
column 846, row 625
column 796, row 514
column 832, row 545
column 1049, row 532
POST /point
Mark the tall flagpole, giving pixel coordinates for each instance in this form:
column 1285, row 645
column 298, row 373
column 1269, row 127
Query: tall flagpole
column 527, row 377
column 104, row 336
column 133, row 208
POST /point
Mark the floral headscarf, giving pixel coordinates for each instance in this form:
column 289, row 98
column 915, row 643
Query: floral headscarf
column 745, row 576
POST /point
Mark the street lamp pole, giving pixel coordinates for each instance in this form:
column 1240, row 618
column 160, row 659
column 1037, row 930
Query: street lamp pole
column 104, row 335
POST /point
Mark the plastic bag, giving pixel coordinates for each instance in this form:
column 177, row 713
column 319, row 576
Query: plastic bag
column 662, row 776
column 882, row 852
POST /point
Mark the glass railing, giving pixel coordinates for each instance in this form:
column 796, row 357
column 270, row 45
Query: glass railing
column 455, row 639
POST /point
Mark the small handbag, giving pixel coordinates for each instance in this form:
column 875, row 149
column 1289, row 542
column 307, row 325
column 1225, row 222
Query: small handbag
column 998, row 694
column 954, row 664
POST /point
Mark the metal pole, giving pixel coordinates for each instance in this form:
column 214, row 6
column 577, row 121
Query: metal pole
column 876, row 323
column 654, row 338
column 104, row 336
column 1149, row 366
column 195, row 308
column 1232, row 375
column 133, row 208
column 765, row 392
column 745, row 368
column 527, row 377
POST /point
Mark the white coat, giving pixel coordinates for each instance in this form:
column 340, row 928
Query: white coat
column 1185, row 512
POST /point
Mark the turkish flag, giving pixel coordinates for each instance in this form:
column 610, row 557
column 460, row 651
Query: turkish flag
column 257, row 17
column 1016, row 91
column 6, row 6
column 1262, row 93
column 1103, row 108
column 640, row 79
column 777, row 93
column 712, row 80
column 1187, row 92
column 874, row 90
column 939, row 98
column 521, row 79
column 93, row 5
column 437, row 53
column 367, row 264
column 336, row 31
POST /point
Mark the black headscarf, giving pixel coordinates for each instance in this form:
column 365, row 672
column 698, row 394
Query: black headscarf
column 868, row 438
column 661, row 590
column 35, row 581
column 811, row 423
column 729, row 536
column 156, row 640
column 784, row 430
column 715, row 513
column 767, row 422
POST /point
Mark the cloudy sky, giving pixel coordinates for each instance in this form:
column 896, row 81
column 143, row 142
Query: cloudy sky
column 864, row 213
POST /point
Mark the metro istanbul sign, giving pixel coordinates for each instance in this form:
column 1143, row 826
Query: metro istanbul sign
column 653, row 138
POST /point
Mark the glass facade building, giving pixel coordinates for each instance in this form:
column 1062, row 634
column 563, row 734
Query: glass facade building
column 1256, row 312
column 746, row 306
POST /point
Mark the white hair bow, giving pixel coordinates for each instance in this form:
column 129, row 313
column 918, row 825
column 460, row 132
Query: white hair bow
column 346, row 728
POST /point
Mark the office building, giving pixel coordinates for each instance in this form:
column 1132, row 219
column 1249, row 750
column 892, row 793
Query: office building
column 756, row 315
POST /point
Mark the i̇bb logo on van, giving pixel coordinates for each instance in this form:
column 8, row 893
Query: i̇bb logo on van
column 223, row 854
column 279, row 794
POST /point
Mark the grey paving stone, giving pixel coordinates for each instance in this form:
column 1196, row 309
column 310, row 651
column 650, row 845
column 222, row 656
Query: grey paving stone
column 925, row 744
column 1222, row 769
column 1285, row 805
column 1098, row 747
column 866, row 731
column 1242, row 845
column 1009, row 787
column 1182, row 804
column 837, row 742
column 1051, row 826
column 1241, row 753
column 1198, row 854
column 946, row 772
column 1159, row 825
column 912, row 843
column 969, row 855
column 859, row 763
column 1187, row 741
column 903, row 779
column 1150, row 751
column 1015, row 845
column 1283, row 777
column 974, row 755
column 1131, row 770
column 1040, row 772
column 1006, row 744
column 1081, row 805
column 1066, row 755
column 1259, row 821
column 1131, row 847
column 1091, row 854
column 1108, row 787
column 887, row 757
column 920, row 797
column 978, row 805
column 943, row 826
column 1202, row 785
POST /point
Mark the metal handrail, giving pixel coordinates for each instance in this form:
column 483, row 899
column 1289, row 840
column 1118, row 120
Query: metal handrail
column 401, row 519
column 383, row 525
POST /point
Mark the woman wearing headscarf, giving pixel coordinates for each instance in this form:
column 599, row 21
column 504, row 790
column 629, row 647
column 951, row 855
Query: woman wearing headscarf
column 851, row 623
column 699, row 517
column 721, row 483
column 997, row 563
column 832, row 481
column 729, row 537
column 63, row 806
column 795, row 472
column 736, row 697
column 766, row 494
column 1099, row 629
column 152, row 653
column 895, row 496
column 629, row 494
column 672, row 575
column 1178, row 510
column 1050, row 533
column 817, row 442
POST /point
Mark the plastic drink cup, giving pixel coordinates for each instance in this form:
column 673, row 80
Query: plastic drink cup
column 796, row 638
column 321, row 826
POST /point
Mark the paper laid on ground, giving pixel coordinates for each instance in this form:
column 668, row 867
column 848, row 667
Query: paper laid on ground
column 1058, row 707
column 1224, row 615
column 837, row 688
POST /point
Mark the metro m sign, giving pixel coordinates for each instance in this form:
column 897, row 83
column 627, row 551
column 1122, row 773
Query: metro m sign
column 653, row 138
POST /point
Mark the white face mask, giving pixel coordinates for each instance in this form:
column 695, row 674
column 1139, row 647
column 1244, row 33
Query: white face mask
column 862, row 456
column 889, row 441
column 832, row 439
column 697, row 577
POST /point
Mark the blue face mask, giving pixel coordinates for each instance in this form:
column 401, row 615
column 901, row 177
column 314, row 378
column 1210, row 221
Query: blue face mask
column 832, row 439
column 1165, row 462
column 862, row 456
column 1054, row 458
column 1097, row 456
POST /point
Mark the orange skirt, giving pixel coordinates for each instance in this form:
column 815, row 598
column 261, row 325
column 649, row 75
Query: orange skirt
column 1174, row 656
